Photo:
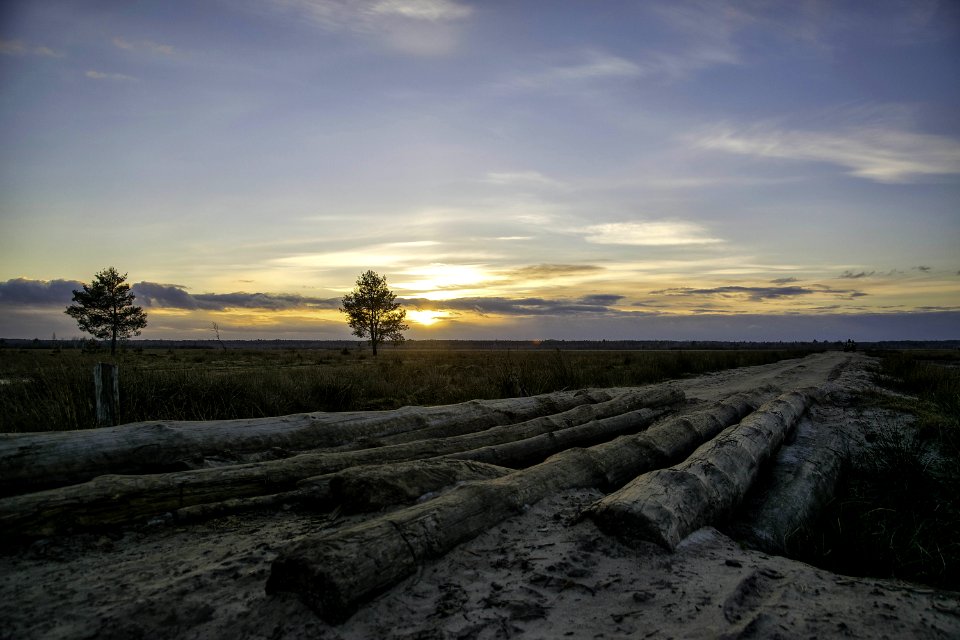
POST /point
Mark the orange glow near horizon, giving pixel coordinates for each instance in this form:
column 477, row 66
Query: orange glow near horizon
column 426, row 317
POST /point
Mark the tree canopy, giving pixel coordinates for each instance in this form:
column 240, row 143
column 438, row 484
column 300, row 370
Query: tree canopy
column 105, row 308
column 373, row 311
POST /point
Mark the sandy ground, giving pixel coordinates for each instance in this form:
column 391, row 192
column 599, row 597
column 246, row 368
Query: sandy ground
column 542, row 574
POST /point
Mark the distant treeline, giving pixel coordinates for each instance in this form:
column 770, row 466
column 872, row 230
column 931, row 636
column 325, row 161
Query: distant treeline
column 524, row 345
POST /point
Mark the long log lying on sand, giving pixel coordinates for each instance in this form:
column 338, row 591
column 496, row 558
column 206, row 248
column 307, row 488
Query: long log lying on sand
column 522, row 453
column 369, row 486
column 802, row 481
column 117, row 499
column 666, row 505
column 374, row 487
column 32, row 461
column 359, row 489
column 336, row 572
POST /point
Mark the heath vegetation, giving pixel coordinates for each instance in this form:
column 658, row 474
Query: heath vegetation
column 46, row 390
column 897, row 510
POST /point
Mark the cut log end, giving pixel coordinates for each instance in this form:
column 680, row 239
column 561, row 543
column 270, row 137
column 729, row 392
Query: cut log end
column 290, row 574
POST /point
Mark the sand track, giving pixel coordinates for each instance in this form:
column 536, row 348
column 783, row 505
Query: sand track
column 543, row 573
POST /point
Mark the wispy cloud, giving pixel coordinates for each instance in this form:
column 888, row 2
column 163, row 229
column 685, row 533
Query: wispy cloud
column 521, row 179
column 660, row 233
column 535, row 306
column 850, row 275
column 587, row 66
column 539, row 271
column 432, row 10
column 20, row 48
column 758, row 294
column 874, row 153
column 116, row 77
column 706, row 32
column 144, row 45
column 416, row 27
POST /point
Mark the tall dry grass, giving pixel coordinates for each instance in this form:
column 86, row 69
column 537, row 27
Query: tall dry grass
column 897, row 510
column 53, row 390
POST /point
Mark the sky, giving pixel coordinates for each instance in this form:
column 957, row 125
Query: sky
column 754, row 170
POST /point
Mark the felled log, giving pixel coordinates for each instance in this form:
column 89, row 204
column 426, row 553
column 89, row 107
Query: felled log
column 336, row 572
column 369, row 488
column 32, row 461
column 116, row 499
column 522, row 453
column 801, row 482
column 358, row 489
column 374, row 486
column 666, row 505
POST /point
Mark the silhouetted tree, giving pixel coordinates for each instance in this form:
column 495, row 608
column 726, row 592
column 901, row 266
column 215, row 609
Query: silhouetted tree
column 105, row 308
column 373, row 311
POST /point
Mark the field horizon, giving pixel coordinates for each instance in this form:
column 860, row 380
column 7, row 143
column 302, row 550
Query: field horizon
column 478, row 344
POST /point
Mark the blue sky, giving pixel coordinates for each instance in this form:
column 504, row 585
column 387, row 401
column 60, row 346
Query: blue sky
column 527, row 170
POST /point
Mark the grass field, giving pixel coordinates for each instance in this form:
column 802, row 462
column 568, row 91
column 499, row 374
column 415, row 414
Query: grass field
column 45, row 389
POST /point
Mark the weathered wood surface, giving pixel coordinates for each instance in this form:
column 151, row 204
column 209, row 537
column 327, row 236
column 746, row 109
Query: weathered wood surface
column 522, row 453
column 32, row 461
column 374, row 487
column 666, row 505
column 320, row 492
column 334, row 573
column 801, row 482
column 116, row 499
column 358, row 489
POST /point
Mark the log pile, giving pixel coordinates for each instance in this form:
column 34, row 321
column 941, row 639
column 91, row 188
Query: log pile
column 429, row 478
column 666, row 505
column 336, row 572
column 802, row 481
column 33, row 461
column 113, row 499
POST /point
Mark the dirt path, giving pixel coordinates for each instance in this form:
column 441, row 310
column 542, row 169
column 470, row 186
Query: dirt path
column 543, row 574
column 773, row 378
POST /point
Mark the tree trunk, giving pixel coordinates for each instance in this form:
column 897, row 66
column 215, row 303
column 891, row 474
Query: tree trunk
column 33, row 461
column 374, row 487
column 666, row 505
column 358, row 489
column 113, row 499
column 523, row 453
column 336, row 572
column 802, row 481
column 325, row 490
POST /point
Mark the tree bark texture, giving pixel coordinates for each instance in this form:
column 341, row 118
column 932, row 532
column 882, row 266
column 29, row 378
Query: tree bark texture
column 359, row 489
column 33, row 461
column 374, row 487
column 335, row 573
column 522, row 453
column 801, row 482
column 115, row 499
column 666, row 505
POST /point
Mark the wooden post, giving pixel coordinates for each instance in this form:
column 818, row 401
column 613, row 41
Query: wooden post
column 106, row 381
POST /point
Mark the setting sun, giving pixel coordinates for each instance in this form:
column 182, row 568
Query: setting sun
column 427, row 318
